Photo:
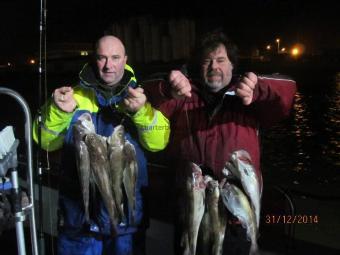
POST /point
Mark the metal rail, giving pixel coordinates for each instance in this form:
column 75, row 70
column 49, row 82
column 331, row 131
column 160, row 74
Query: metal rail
column 30, row 208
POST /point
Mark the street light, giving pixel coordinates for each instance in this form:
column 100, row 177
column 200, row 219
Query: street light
column 278, row 45
column 295, row 52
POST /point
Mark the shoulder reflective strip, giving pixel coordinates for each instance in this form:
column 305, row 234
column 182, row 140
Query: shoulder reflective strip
column 50, row 131
column 151, row 126
column 276, row 79
column 129, row 68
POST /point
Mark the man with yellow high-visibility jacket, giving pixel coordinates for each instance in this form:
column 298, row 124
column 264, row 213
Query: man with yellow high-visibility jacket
column 107, row 91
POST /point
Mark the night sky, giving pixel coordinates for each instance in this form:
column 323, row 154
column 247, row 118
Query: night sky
column 251, row 23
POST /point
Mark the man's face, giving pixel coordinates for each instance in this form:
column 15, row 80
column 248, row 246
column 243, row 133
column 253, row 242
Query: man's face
column 110, row 60
column 216, row 69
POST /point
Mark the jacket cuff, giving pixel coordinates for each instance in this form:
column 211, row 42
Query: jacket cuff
column 141, row 112
column 58, row 113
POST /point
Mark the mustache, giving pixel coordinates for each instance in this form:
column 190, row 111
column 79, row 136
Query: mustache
column 214, row 73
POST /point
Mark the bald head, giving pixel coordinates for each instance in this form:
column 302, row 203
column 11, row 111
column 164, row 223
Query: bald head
column 110, row 40
column 110, row 59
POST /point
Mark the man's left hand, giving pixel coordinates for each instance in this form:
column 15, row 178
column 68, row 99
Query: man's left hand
column 245, row 88
column 134, row 100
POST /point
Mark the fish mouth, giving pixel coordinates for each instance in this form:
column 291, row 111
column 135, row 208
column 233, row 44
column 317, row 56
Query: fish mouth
column 245, row 159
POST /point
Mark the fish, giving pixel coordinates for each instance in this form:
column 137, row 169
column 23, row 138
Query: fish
column 115, row 145
column 100, row 171
column 214, row 222
column 130, row 177
column 203, row 238
column 238, row 204
column 217, row 215
column 194, row 208
column 240, row 165
column 81, row 128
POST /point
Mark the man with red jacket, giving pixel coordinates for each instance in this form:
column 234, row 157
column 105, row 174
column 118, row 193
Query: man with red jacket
column 219, row 113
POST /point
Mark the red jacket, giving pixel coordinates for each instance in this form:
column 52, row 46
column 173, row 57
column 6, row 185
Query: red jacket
column 208, row 138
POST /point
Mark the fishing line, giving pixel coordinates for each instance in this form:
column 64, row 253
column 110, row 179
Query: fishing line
column 191, row 142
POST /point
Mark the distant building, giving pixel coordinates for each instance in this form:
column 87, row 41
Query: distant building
column 67, row 57
column 156, row 40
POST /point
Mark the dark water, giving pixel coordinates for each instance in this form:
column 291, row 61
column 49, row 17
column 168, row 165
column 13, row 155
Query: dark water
column 301, row 150
column 305, row 148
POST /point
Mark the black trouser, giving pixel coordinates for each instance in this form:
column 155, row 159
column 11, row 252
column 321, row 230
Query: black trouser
column 235, row 240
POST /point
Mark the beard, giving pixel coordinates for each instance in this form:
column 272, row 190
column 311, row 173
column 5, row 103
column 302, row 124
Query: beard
column 216, row 81
column 214, row 84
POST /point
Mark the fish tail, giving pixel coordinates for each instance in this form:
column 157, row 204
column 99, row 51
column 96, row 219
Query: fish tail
column 254, row 250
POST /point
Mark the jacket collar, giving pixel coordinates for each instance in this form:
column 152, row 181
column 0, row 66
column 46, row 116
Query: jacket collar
column 106, row 95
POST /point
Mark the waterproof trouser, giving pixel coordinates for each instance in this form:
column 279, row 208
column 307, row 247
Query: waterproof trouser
column 89, row 245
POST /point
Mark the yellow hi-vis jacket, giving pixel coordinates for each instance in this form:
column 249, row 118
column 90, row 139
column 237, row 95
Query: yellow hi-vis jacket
column 152, row 126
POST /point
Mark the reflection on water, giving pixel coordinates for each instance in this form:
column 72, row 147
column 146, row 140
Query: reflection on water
column 302, row 131
column 332, row 120
column 306, row 146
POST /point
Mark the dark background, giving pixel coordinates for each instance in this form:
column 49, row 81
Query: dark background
column 300, row 155
column 251, row 23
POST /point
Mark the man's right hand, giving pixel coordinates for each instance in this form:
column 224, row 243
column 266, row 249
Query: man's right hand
column 180, row 85
column 63, row 98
